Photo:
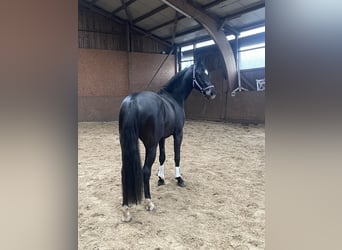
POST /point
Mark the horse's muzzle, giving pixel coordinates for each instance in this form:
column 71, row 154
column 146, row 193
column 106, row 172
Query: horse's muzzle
column 210, row 93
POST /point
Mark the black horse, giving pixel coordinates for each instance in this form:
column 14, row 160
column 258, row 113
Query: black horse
column 152, row 117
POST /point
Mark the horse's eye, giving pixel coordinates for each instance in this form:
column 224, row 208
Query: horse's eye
column 206, row 72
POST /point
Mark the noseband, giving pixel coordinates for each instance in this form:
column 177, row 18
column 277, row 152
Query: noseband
column 194, row 81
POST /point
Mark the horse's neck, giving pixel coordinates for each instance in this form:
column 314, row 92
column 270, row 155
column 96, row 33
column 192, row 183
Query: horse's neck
column 180, row 88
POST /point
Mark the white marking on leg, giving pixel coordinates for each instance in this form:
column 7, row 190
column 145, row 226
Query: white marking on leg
column 149, row 206
column 161, row 172
column 126, row 215
column 177, row 171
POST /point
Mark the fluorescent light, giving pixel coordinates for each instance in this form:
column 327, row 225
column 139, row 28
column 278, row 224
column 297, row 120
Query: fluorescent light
column 254, row 46
column 188, row 47
column 206, row 43
column 252, row 32
column 230, row 37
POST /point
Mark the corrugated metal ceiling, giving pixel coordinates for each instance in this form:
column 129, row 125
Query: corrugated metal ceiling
column 156, row 18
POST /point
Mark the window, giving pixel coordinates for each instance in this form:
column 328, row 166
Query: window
column 186, row 62
column 187, row 48
column 252, row 56
column 187, row 56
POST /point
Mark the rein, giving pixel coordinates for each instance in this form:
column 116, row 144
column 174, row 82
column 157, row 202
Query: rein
column 195, row 82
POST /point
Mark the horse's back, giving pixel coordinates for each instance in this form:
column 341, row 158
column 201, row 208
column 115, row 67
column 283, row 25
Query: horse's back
column 144, row 104
column 157, row 115
column 147, row 110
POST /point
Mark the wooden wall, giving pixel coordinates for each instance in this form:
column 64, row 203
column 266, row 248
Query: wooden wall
column 248, row 77
column 113, row 62
column 98, row 32
column 143, row 43
column 106, row 77
column 246, row 107
column 102, row 83
column 143, row 66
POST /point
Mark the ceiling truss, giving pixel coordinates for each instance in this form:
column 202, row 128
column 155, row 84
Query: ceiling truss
column 222, row 23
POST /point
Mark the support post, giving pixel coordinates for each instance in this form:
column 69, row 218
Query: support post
column 239, row 88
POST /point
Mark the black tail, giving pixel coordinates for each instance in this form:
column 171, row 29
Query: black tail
column 131, row 173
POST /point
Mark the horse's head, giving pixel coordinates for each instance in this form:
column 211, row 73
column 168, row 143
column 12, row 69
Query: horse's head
column 201, row 82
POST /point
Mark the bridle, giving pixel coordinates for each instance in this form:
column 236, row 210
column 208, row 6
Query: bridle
column 195, row 82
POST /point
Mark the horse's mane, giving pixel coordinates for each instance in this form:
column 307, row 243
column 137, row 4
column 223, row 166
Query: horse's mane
column 176, row 78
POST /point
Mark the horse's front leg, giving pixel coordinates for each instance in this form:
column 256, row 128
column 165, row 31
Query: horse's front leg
column 149, row 160
column 177, row 138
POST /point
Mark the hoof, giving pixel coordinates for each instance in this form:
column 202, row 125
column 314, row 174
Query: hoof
column 161, row 182
column 126, row 215
column 149, row 206
column 180, row 182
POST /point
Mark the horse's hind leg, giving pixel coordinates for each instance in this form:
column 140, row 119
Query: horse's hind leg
column 149, row 160
column 126, row 215
column 177, row 145
column 161, row 174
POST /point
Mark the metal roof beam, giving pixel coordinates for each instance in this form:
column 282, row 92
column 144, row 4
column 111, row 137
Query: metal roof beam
column 207, row 6
column 252, row 26
column 166, row 23
column 211, row 25
column 100, row 11
column 128, row 13
column 244, row 11
column 186, row 32
column 174, row 28
column 225, row 26
column 120, row 21
column 212, row 4
column 122, row 7
column 151, row 13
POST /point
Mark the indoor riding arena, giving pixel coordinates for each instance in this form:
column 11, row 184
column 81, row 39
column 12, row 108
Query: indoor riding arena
column 131, row 46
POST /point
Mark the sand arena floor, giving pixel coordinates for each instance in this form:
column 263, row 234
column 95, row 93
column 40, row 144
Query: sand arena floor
column 222, row 206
